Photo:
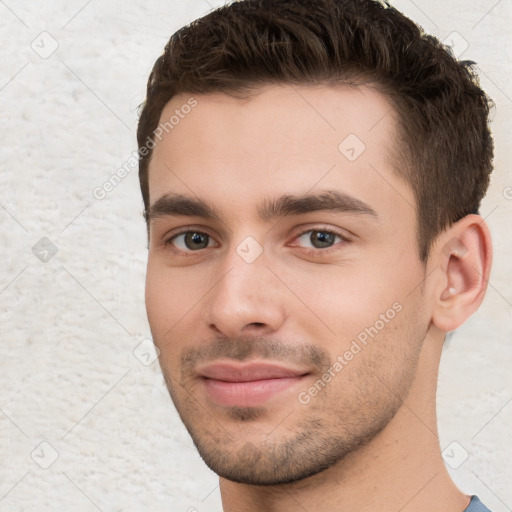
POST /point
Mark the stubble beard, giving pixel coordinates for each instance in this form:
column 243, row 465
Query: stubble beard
column 326, row 430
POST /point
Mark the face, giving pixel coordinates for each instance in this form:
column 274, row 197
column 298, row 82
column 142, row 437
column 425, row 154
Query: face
column 283, row 277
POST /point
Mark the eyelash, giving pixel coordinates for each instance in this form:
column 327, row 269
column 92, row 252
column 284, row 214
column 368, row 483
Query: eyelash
column 313, row 251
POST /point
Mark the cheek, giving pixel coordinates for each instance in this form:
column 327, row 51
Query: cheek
column 345, row 301
column 171, row 301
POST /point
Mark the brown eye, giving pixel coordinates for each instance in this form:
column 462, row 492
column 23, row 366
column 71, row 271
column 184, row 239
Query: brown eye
column 191, row 241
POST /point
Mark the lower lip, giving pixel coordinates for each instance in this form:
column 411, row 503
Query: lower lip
column 247, row 394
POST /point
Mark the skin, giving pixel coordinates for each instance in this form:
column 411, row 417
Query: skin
column 368, row 439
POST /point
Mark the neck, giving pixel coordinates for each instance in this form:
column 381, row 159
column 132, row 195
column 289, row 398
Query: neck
column 400, row 469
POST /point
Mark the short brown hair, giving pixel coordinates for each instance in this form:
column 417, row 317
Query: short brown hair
column 445, row 143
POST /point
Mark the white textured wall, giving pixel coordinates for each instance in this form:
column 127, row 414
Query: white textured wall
column 69, row 378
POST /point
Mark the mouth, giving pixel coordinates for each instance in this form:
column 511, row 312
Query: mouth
column 247, row 385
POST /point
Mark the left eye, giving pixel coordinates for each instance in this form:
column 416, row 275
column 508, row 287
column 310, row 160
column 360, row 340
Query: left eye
column 320, row 239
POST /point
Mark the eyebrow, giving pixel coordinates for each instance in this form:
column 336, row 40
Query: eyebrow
column 287, row 205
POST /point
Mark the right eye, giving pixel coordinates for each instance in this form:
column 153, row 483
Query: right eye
column 190, row 240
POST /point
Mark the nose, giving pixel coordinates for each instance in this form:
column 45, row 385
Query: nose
column 247, row 299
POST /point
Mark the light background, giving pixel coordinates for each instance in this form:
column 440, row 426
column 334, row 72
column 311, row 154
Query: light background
column 70, row 378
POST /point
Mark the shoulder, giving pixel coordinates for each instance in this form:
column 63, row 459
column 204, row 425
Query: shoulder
column 475, row 505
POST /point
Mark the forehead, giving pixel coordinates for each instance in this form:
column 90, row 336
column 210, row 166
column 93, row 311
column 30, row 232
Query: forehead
column 285, row 138
column 281, row 116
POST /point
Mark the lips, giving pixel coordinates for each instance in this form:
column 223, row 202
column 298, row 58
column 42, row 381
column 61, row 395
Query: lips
column 246, row 385
column 230, row 372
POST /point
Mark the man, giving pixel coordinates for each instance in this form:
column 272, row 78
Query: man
column 311, row 173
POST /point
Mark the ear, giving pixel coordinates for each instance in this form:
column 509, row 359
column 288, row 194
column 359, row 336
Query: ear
column 464, row 255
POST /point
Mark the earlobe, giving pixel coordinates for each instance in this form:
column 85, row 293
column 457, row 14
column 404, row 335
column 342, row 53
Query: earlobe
column 465, row 255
